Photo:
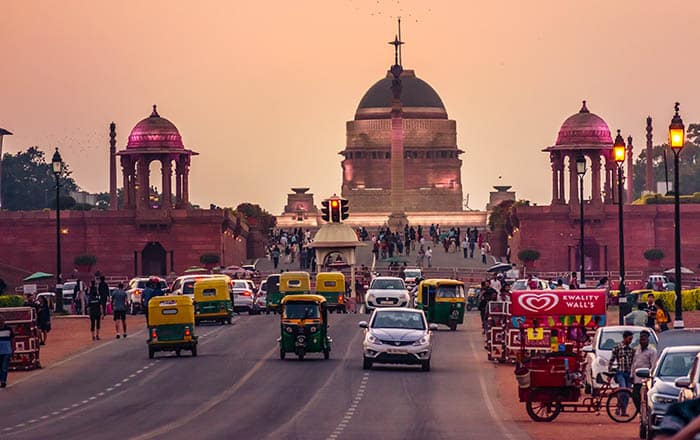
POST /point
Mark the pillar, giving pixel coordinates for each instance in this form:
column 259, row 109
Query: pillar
column 595, row 176
column 560, row 172
column 649, row 179
column 144, row 184
column 112, row 166
column 608, row 181
column 629, row 178
column 179, row 165
column 127, row 171
column 553, row 158
column 167, row 171
column 573, row 180
column 185, row 185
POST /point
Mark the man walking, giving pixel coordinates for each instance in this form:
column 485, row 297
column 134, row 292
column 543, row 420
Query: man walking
column 644, row 357
column 465, row 247
column 94, row 309
column 119, row 309
column 622, row 358
column 429, row 256
column 651, row 310
column 103, row 291
column 7, row 337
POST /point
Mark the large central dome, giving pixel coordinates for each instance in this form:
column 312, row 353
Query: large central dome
column 155, row 132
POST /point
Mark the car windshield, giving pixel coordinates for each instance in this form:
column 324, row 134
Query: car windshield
column 387, row 284
column 396, row 319
column 301, row 310
column 240, row 285
column 609, row 339
column 450, row 292
column 520, row 285
column 412, row 273
column 188, row 288
column 675, row 365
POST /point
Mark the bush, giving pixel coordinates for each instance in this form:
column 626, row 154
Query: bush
column 691, row 299
column 653, row 254
column 209, row 258
column 85, row 260
column 528, row 255
column 11, row 301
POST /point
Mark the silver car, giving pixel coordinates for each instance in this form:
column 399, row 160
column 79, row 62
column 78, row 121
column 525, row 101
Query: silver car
column 397, row 335
column 242, row 292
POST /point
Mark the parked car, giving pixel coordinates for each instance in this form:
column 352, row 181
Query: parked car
column 689, row 385
column 672, row 363
column 68, row 288
column 242, row 292
column 386, row 292
column 656, row 280
column 260, row 298
column 396, row 335
column 522, row 284
column 599, row 352
column 134, row 290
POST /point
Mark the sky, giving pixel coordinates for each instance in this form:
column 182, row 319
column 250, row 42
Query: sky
column 263, row 89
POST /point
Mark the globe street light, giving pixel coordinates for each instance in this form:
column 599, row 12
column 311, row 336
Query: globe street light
column 676, row 139
column 581, row 171
column 57, row 168
column 619, row 151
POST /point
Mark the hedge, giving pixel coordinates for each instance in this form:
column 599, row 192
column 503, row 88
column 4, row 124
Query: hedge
column 11, row 301
column 691, row 299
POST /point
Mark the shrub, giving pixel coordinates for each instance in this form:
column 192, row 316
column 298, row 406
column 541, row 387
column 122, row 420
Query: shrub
column 653, row 254
column 11, row 300
column 528, row 255
column 85, row 260
column 691, row 299
column 209, row 258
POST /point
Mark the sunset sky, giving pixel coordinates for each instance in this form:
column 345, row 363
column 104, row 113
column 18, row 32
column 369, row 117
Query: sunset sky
column 263, row 89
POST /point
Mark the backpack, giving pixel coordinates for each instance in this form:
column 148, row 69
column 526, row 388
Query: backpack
column 661, row 317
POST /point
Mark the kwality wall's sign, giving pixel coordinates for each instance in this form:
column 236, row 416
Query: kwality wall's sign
column 544, row 303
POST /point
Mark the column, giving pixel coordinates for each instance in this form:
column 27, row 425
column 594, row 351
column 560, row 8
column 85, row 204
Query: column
column 595, row 175
column 560, row 172
column 143, row 182
column 608, row 187
column 629, row 174
column 185, row 185
column 555, row 180
column 178, row 183
column 573, row 180
column 126, row 184
column 167, row 170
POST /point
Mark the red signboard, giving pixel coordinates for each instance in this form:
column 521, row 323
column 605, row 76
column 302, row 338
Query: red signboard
column 533, row 303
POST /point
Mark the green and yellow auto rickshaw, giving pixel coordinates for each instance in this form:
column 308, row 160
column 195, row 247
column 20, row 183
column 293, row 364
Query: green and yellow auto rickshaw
column 171, row 325
column 272, row 294
column 331, row 285
column 212, row 300
column 304, row 326
column 442, row 301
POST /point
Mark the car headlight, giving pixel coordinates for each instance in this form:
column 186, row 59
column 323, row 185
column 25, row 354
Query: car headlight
column 663, row 398
column 421, row 341
column 373, row 340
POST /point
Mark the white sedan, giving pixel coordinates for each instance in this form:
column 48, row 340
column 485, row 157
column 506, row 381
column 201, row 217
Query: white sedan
column 397, row 335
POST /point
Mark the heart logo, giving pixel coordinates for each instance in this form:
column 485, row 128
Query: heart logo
column 538, row 302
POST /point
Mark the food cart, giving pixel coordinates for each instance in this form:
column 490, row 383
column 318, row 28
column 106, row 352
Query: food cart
column 22, row 320
column 550, row 381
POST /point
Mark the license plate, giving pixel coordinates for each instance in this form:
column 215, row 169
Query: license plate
column 396, row 351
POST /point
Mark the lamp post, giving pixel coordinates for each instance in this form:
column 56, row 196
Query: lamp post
column 3, row 133
column 676, row 139
column 619, row 152
column 57, row 168
column 581, row 171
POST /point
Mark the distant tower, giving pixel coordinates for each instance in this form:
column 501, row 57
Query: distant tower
column 649, row 177
column 630, row 170
column 3, row 133
column 112, row 166
column 397, row 218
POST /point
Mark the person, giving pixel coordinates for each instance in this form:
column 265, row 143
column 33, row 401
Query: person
column 43, row 320
column 505, row 293
column 651, row 310
column 532, row 283
column 487, row 295
column 637, row 317
column 7, row 339
column 421, row 256
column 663, row 317
column 681, row 421
column 560, row 284
column 465, row 247
column 573, row 281
column 94, row 310
column 276, row 256
column 146, row 295
column 103, row 290
column 119, row 309
column 621, row 360
column 79, row 300
column 496, row 283
column 429, row 256
column 602, row 283
column 644, row 357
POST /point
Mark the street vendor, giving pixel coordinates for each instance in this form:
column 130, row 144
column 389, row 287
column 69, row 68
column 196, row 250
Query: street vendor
column 6, row 340
column 621, row 362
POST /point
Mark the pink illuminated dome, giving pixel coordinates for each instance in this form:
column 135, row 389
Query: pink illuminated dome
column 584, row 129
column 155, row 132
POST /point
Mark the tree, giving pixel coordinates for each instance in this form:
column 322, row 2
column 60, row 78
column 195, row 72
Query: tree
column 255, row 215
column 28, row 182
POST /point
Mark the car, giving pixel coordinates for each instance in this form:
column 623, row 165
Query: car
column 242, row 292
column 249, row 267
column 673, row 363
column 134, row 290
column 386, row 292
column 184, row 285
column 260, row 298
column 689, row 385
column 411, row 275
column 599, row 352
column 397, row 335
column 522, row 284
column 656, row 280
column 68, row 289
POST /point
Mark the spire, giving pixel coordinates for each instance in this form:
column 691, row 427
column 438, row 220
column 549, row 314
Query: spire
column 584, row 109
column 400, row 60
column 155, row 114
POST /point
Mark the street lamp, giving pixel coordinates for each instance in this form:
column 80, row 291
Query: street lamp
column 581, row 171
column 619, row 152
column 676, row 139
column 57, row 168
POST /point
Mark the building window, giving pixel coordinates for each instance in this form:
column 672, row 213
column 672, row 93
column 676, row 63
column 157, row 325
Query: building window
column 374, row 154
column 443, row 154
column 348, row 156
column 429, row 155
column 387, row 156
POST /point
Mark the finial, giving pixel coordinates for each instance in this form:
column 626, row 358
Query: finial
column 677, row 108
column 112, row 132
column 584, row 109
column 400, row 60
column 155, row 112
column 629, row 141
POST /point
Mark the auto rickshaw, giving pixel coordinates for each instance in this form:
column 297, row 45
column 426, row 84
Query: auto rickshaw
column 212, row 300
column 273, row 295
column 304, row 326
column 171, row 325
column 295, row 283
column 442, row 301
column 331, row 285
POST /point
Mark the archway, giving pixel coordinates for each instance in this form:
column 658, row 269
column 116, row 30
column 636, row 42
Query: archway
column 153, row 259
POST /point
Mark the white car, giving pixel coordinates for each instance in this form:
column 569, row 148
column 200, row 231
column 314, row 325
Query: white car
column 598, row 354
column 522, row 284
column 184, row 285
column 260, row 299
column 411, row 275
column 136, row 287
column 386, row 292
column 397, row 335
column 242, row 292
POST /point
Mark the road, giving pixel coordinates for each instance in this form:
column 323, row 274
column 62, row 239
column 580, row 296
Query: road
column 239, row 388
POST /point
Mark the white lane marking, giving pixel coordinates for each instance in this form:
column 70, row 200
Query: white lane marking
column 44, row 417
column 350, row 412
column 32, row 421
column 110, row 389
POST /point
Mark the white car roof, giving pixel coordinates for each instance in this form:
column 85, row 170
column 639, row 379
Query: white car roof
column 388, row 278
column 632, row 328
column 398, row 309
column 682, row 349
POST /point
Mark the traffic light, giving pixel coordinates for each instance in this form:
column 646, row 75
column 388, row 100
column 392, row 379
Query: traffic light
column 325, row 210
column 344, row 208
column 335, row 210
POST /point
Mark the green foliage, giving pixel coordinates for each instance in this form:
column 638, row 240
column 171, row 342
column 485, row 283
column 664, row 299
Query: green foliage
column 11, row 301
column 85, row 260
column 28, row 182
column 653, row 254
column 691, row 299
column 658, row 199
column 528, row 255
column 209, row 258
column 257, row 216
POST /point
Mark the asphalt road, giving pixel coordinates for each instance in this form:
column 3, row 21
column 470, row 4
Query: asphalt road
column 238, row 388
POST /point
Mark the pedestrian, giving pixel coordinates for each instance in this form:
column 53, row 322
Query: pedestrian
column 663, row 317
column 79, row 298
column 508, row 254
column 621, row 362
column 103, row 291
column 7, row 339
column 94, row 310
column 651, row 310
column 487, row 295
column 429, row 256
column 483, row 254
column 644, row 357
column 421, row 256
column 276, row 256
column 3, row 286
column 505, row 293
column 146, row 296
column 573, row 281
column 119, row 308
column 465, row 247
column 43, row 320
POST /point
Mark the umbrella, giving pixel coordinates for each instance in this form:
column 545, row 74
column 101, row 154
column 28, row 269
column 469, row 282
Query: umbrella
column 500, row 267
column 38, row 276
column 195, row 269
column 684, row 270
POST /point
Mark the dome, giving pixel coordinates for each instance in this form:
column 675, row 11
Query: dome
column 584, row 129
column 415, row 93
column 155, row 132
column 339, row 233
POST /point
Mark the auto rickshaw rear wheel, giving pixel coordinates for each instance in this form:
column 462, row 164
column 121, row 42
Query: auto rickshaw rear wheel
column 177, row 353
column 326, row 353
column 282, row 353
column 194, row 351
column 366, row 364
column 543, row 411
column 151, row 353
column 425, row 365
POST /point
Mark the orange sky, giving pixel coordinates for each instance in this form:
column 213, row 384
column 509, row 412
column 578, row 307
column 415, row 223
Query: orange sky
column 263, row 89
